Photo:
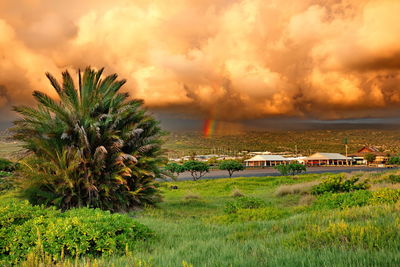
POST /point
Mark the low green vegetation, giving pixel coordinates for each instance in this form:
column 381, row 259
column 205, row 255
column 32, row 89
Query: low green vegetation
column 91, row 232
column 276, row 220
column 339, row 184
column 292, row 168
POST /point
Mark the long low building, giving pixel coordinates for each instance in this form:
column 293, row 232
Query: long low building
column 327, row 159
column 266, row 161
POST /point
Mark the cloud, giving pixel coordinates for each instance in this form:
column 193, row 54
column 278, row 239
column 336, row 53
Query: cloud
column 229, row 60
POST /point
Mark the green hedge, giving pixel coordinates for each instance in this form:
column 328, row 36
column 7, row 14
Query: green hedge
column 84, row 231
column 338, row 184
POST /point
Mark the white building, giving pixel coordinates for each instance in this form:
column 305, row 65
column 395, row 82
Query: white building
column 321, row 159
column 266, row 160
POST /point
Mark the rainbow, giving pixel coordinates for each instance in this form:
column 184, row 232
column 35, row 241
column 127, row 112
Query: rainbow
column 209, row 127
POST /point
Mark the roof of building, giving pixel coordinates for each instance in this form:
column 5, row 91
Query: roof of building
column 295, row 158
column 326, row 156
column 267, row 158
column 367, row 149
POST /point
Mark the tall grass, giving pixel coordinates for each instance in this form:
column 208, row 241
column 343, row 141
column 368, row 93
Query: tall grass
column 291, row 233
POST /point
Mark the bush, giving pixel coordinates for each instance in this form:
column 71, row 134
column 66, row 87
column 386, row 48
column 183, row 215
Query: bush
column 343, row 200
column 385, row 196
column 6, row 165
column 243, row 203
column 394, row 160
column 338, row 184
column 292, row 168
column 84, row 231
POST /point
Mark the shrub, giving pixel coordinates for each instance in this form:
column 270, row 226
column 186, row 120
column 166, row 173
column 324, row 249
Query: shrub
column 394, row 160
column 370, row 158
column 343, row 200
column 385, row 196
column 243, row 203
column 292, row 168
column 339, row 184
column 84, row 231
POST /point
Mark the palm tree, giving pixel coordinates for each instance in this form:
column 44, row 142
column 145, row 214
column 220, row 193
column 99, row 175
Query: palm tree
column 93, row 147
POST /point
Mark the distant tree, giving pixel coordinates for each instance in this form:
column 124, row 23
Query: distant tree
column 296, row 168
column 174, row 168
column 282, row 168
column 231, row 166
column 370, row 158
column 394, row 160
column 292, row 168
column 196, row 168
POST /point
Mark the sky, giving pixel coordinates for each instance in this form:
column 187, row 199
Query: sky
column 234, row 61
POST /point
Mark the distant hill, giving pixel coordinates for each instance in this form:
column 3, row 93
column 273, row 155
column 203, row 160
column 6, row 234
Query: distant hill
column 306, row 141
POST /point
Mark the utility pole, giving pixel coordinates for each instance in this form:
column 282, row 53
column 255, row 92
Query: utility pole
column 295, row 148
column 345, row 142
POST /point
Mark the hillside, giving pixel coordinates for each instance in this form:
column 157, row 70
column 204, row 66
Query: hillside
column 307, row 142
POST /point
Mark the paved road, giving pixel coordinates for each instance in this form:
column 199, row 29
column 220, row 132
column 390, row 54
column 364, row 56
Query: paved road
column 217, row 174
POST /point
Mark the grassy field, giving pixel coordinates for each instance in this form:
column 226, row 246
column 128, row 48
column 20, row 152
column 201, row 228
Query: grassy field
column 195, row 225
column 192, row 227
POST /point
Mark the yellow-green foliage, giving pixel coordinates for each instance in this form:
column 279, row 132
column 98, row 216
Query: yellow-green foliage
column 250, row 215
column 342, row 234
column 76, row 232
column 384, row 196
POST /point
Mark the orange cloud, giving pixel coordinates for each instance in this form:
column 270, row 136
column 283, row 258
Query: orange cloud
column 229, row 59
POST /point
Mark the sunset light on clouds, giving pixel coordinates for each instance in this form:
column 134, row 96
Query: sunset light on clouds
column 229, row 60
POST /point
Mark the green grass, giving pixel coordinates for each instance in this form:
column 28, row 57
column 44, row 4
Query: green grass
column 192, row 228
column 192, row 231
